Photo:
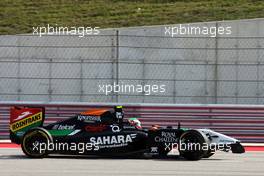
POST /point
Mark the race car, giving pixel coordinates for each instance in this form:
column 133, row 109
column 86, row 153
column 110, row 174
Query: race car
column 104, row 132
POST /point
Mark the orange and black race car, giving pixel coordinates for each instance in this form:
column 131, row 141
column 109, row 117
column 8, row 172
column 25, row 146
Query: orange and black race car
column 105, row 133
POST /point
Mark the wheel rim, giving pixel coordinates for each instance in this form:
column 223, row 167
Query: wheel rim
column 32, row 142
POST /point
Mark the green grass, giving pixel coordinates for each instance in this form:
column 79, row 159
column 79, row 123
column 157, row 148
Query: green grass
column 19, row 16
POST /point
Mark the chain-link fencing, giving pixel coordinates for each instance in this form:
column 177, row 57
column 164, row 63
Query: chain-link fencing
column 192, row 69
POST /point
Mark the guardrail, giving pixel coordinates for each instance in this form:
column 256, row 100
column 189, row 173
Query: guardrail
column 244, row 122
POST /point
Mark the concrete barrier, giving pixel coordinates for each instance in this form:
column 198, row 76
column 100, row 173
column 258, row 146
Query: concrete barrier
column 194, row 68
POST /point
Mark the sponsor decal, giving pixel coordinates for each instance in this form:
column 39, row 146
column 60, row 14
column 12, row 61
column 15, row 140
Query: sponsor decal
column 74, row 132
column 95, row 128
column 115, row 128
column 129, row 127
column 166, row 137
column 23, row 114
column 63, row 127
column 168, row 134
column 225, row 141
column 20, row 133
column 26, row 122
column 86, row 118
column 154, row 149
column 116, row 139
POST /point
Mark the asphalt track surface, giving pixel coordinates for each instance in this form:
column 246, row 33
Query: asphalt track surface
column 13, row 162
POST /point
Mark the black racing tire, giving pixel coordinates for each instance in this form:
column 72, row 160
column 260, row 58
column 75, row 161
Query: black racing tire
column 208, row 154
column 195, row 139
column 31, row 138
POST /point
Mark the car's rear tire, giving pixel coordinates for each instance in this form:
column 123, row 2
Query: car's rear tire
column 33, row 140
column 191, row 145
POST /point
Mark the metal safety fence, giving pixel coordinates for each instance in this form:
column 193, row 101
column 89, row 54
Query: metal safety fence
column 71, row 69
column 244, row 122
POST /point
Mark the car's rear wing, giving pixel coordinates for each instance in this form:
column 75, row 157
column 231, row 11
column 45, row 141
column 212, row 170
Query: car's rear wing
column 24, row 118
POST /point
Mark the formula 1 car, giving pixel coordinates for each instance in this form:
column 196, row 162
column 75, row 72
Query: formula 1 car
column 105, row 132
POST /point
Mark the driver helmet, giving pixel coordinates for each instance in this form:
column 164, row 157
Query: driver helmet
column 135, row 122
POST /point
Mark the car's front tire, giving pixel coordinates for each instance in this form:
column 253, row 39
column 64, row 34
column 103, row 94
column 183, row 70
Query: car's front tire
column 191, row 145
column 35, row 143
column 208, row 154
